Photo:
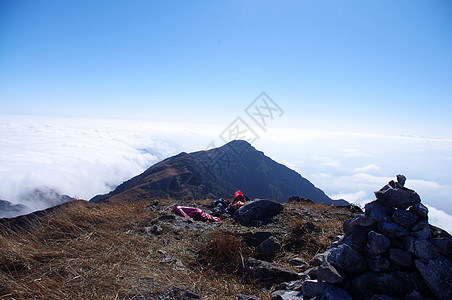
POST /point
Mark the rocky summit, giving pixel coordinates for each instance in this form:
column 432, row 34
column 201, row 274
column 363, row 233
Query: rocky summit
column 216, row 173
column 389, row 252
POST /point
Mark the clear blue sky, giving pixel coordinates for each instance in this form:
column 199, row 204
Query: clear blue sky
column 364, row 65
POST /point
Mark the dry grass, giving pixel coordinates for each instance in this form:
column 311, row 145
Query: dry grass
column 93, row 251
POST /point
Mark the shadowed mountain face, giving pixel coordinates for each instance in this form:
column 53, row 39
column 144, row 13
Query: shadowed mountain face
column 217, row 173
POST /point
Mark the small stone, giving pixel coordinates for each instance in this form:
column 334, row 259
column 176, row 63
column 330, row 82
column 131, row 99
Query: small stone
column 377, row 243
column 268, row 248
column 400, row 257
column 327, row 273
column 420, row 210
column 286, row 295
column 297, row 261
column 246, row 297
column 313, row 288
column 401, row 180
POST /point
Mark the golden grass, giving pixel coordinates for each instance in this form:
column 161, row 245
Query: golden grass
column 103, row 251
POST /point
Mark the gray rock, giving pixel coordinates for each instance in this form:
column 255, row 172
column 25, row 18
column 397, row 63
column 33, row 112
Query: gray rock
column 364, row 285
column 313, row 288
column 404, row 218
column 409, row 244
column 245, row 297
column 376, row 210
column 176, row 293
column 346, row 227
column 349, row 241
column 391, row 195
column 362, row 220
column 319, row 258
column 327, row 273
column 218, row 211
column 297, row 262
column 420, row 210
column 287, row 295
column 292, row 285
column 424, row 249
column 392, row 230
column 400, row 257
column 377, row 243
column 256, row 238
column 257, row 212
column 268, row 248
column 267, row 273
column 345, row 259
column 335, row 293
column 437, row 274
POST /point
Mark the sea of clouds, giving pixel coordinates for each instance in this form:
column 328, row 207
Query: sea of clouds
column 85, row 157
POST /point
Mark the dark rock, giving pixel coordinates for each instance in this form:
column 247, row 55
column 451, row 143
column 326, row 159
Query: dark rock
column 295, row 198
column 377, row 243
column 327, row 273
column 392, row 230
column 267, row 273
column 409, row 244
column 443, row 246
column 404, row 218
column 245, row 297
column 335, row 293
column 287, row 295
column 391, row 195
column 218, row 211
column 309, row 227
column 376, row 210
column 346, row 227
column 313, row 288
column 256, row 238
column 437, row 273
column 420, row 210
column 414, row 295
column 421, row 230
column 268, row 248
column 349, row 241
column 401, row 180
column 345, row 259
column 423, row 249
column 378, row 264
column 382, row 297
column 258, row 211
column 364, row 286
column 400, row 257
column 360, row 234
column 319, row 258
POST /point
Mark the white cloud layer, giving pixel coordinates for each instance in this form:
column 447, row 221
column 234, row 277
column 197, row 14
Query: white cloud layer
column 85, row 157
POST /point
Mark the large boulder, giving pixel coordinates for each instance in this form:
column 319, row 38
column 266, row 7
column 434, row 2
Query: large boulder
column 437, row 273
column 257, row 212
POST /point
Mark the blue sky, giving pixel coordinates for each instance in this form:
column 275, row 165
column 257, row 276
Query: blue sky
column 362, row 65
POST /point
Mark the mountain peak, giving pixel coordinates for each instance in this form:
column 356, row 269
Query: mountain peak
column 216, row 173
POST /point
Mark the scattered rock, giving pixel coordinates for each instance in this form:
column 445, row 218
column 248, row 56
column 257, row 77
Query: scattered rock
column 268, row 248
column 246, row 297
column 287, row 295
column 297, row 262
column 176, row 293
column 267, row 273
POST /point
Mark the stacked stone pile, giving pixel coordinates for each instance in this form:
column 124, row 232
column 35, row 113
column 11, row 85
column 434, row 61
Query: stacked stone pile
column 389, row 252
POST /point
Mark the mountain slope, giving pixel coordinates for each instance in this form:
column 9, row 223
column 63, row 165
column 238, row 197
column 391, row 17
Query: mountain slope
column 216, row 173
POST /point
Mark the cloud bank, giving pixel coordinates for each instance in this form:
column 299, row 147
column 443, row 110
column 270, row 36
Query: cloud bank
column 85, row 157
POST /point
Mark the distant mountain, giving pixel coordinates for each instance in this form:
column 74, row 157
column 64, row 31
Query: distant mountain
column 218, row 173
column 38, row 198
column 10, row 210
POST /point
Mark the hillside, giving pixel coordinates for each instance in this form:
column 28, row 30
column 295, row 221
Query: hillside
column 83, row 250
column 218, row 173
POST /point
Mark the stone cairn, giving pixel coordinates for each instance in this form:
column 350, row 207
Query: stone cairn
column 389, row 252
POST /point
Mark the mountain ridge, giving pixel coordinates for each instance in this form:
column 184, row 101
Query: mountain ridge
column 216, row 173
